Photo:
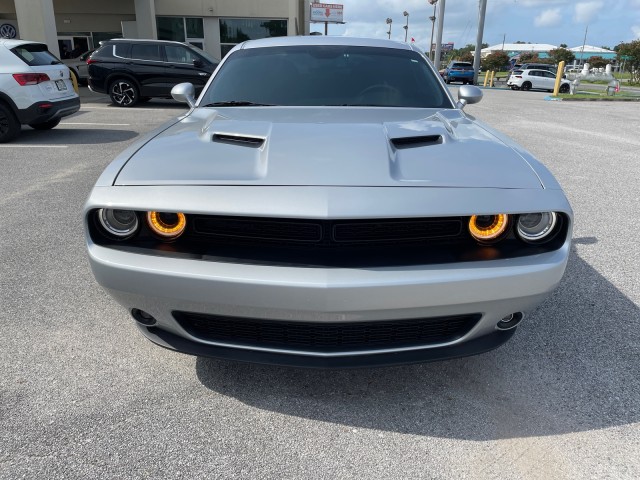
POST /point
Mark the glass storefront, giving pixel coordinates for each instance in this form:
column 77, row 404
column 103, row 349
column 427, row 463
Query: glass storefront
column 237, row 30
column 181, row 29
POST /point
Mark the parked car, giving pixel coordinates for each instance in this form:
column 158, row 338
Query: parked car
column 35, row 88
column 132, row 71
column 284, row 220
column 537, row 80
column 459, row 72
column 80, row 67
column 538, row 66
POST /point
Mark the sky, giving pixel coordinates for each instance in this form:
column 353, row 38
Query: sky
column 554, row 22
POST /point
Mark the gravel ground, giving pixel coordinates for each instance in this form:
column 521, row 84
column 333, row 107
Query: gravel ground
column 83, row 395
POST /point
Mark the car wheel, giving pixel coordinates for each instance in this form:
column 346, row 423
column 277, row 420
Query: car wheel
column 124, row 93
column 447, row 80
column 9, row 125
column 45, row 125
column 526, row 86
column 564, row 88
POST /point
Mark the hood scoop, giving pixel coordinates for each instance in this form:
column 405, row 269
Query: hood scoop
column 417, row 141
column 235, row 139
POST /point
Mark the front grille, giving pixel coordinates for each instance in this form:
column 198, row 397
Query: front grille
column 326, row 337
column 327, row 232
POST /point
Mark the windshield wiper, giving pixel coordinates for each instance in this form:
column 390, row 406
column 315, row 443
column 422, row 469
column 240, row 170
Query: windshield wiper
column 238, row 103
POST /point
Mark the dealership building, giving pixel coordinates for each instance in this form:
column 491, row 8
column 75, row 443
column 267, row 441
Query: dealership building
column 71, row 27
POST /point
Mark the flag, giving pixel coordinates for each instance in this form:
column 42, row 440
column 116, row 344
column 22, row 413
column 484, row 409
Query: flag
column 413, row 40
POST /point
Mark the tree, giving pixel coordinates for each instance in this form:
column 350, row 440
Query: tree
column 466, row 57
column 495, row 61
column 629, row 53
column 529, row 57
column 564, row 45
column 562, row 54
column 598, row 62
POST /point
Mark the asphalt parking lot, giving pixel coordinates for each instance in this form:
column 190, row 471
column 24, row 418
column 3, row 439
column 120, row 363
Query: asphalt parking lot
column 84, row 395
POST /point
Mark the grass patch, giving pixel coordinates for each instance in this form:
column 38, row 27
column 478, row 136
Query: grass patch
column 599, row 96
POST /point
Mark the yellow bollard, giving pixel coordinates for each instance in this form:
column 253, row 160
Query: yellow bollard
column 486, row 78
column 559, row 75
column 491, row 80
column 74, row 80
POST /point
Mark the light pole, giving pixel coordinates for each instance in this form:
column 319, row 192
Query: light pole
column 433, row 26
column 389, row 22
column 436, row 56
column 406, row 27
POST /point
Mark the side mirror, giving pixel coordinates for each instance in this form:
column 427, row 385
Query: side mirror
column 184, row 93
column 468, row 94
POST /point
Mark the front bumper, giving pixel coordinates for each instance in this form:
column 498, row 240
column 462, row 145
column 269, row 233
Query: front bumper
column 161, row 286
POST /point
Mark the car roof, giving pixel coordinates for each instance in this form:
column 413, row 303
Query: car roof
column 143, row 40
column 325, row 40
column 14, row 43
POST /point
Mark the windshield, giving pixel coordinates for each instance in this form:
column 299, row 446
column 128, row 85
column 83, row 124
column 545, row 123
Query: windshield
column 321, row 75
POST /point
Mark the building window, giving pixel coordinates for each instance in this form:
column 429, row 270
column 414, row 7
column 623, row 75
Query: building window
column 181, row 29
column 237, row 30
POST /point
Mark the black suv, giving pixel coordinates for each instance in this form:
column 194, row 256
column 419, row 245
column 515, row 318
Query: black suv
column 133, row 71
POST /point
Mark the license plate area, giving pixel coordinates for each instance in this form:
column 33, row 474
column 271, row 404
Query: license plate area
column 61, row 85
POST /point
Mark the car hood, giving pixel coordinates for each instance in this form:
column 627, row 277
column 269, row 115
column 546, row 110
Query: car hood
column 327, row 146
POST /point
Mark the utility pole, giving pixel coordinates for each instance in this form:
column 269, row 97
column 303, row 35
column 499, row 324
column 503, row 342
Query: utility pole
column 436, row 58
column 476, row 57
column 389, row 22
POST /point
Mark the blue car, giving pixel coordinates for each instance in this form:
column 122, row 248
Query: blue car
column 459, row 72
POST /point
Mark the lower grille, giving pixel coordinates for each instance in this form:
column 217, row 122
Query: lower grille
column 326, row 337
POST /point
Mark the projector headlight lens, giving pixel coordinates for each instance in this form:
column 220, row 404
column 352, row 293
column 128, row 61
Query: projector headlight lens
column 120, row 224
column 536, row 227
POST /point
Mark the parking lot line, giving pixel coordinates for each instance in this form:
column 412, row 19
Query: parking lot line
column 34, row 146
column 100, row 124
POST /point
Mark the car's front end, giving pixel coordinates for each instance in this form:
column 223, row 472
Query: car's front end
column 327, row 235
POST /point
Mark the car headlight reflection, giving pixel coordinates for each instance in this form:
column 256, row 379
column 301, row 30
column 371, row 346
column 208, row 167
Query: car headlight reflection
column 166, row 225
column 120, row 224
column 536, row 227
column 488, row 228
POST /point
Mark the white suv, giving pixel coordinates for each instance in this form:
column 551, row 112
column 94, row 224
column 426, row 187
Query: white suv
column 35, row 88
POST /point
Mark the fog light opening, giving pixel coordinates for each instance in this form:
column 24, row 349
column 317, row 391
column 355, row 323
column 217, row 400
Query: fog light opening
column 510, row 321
column 143, row 317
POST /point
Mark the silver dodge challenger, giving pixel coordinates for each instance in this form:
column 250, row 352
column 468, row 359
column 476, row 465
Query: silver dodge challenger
column 326, row 202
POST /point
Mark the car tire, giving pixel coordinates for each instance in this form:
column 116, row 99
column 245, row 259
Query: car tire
column 9, row 124
column 45, row 125
column 526, row 86
column 564, row 88
column 447, row 80
column 124, row 93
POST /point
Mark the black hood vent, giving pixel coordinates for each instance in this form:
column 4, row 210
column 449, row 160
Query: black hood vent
column 238, row 140
column 419, row 141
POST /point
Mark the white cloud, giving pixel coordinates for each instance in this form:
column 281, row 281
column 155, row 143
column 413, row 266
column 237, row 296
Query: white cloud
column 585, row 12
column 636, row 31
column 548, row 18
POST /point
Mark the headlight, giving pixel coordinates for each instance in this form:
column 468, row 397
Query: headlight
column 167, row 226
column 488, row 228
column 120, row 224
column 535, row 227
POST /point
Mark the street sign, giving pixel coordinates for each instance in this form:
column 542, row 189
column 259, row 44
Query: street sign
column 326, row 12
